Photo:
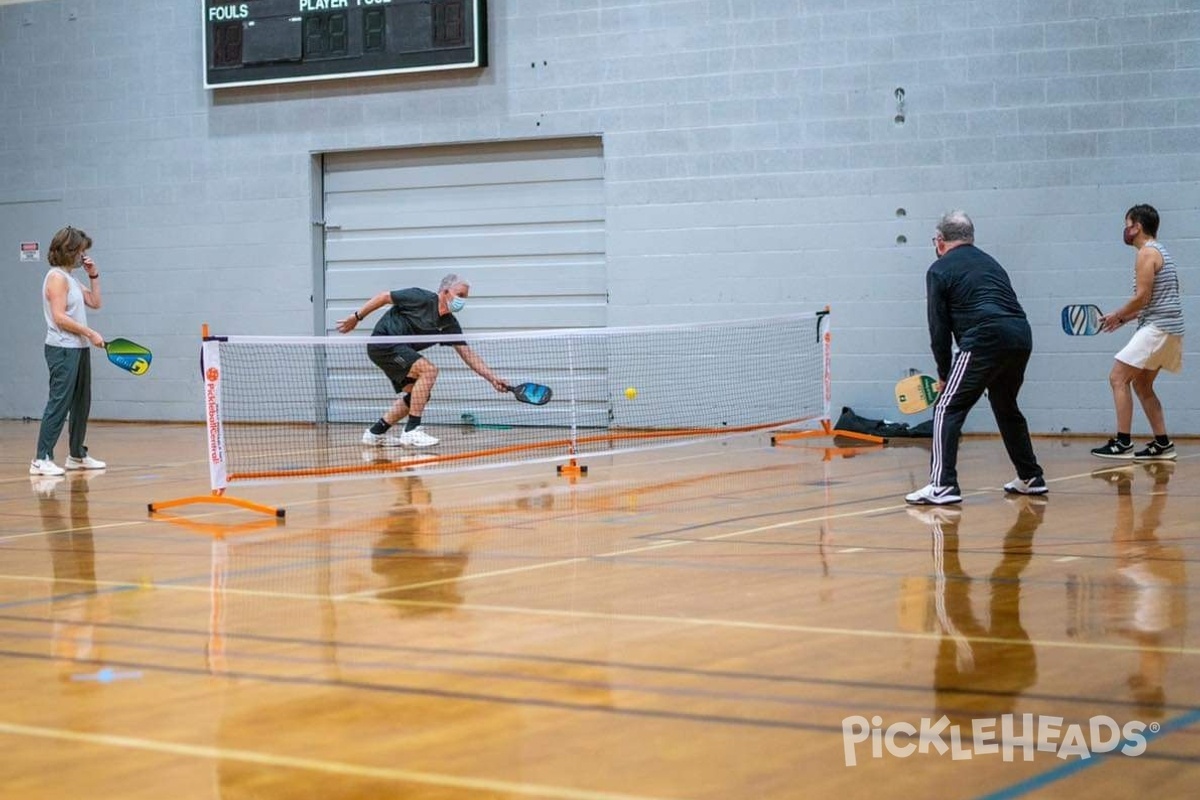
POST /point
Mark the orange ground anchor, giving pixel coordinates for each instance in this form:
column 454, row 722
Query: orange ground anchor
column 572, row 469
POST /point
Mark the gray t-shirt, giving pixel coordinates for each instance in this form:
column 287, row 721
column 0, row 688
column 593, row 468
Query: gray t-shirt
column 414, row 312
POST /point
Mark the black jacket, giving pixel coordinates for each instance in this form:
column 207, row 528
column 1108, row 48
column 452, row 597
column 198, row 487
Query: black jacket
column 970, row 297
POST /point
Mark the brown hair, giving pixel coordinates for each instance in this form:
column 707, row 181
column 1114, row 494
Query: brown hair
column 66, row 246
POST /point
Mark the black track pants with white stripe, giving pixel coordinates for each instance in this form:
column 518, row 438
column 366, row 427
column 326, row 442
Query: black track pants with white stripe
column 1001, row 373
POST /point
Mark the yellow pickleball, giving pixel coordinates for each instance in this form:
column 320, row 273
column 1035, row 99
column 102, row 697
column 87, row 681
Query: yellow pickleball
column 630, row 393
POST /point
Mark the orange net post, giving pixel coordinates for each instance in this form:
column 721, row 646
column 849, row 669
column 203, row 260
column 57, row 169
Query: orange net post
column 827, row 428
column 210, row 365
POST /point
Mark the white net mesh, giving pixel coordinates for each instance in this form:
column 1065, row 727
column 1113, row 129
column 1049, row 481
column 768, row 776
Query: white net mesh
column 298, row 407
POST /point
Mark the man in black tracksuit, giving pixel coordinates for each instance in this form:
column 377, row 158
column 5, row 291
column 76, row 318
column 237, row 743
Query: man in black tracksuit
column 971, row 298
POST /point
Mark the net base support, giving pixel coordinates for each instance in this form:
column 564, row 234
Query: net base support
column 572, row 469
column 217, row 499
column 826, row 429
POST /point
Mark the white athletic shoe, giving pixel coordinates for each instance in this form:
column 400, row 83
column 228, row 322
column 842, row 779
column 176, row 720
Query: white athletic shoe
column 44, row 466
column 934, row 496
column 1035, row 485
column 381, row 439
column 417, row 438
column 87, row 462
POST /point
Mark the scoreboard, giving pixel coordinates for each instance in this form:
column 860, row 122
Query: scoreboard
column 281, row 41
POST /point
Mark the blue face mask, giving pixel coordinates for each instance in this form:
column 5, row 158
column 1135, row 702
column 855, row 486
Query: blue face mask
column 457, row 304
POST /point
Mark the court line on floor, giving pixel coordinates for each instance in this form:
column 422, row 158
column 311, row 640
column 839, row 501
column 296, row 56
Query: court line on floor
column 360, row 597
column 328, row 767
column 670, row 713
column 614, row 553
column 77, row 529
column 697, row 622
column 1072, row 767
column 407, row 651
column 677, row 543
column 371, row 596
column 642, row 690
column 209, row 514
column 779, row 627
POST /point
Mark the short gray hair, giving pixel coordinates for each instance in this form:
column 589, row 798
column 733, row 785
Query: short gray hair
column 956, row 226
column 452, row 280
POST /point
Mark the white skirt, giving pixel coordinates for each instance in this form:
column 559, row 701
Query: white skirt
column 1151, row 348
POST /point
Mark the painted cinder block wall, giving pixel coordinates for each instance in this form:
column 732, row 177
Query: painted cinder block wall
column 754, row 165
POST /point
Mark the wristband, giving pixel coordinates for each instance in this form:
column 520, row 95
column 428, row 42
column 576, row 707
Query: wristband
column 357, row 317
column 93, row 277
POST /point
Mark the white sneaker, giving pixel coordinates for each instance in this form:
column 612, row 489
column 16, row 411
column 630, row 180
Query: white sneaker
column 417, row 438
column 381, row 439
column 1035, row 485
column 87, row 462
column 934, row 496
column 44, row 466
column 44, row 485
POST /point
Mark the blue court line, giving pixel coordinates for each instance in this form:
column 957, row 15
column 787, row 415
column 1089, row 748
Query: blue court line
column 1071, row 767
column 41, row 601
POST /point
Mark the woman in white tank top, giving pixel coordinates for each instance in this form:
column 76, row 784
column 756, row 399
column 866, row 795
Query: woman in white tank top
column 64, row 304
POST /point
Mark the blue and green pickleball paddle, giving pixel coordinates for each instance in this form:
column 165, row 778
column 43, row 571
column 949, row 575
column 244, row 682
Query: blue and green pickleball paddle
column 129, row 356
column 533, row 393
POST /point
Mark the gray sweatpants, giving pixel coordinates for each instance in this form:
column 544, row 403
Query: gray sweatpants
column 70, row 393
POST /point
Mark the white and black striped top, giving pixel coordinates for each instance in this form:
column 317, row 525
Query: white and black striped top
column 1164, row 311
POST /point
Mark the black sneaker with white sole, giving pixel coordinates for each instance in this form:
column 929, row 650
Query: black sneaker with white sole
column 1156, row 452
column 1114, row 449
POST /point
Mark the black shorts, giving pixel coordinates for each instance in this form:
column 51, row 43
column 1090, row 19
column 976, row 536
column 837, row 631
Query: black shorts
column 396, row 361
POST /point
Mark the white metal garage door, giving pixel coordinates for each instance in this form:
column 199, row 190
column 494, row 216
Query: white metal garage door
column 523, row 221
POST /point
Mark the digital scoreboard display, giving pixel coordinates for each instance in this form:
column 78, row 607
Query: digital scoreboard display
column 281, row 41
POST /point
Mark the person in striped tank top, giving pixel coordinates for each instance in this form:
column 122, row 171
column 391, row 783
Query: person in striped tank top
column 1157, row 344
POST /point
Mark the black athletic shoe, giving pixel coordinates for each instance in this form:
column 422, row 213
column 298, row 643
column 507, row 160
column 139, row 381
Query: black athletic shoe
column 1114, row 449
column 1155, row 452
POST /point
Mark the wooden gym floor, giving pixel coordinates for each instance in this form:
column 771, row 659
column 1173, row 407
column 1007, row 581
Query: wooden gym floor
column 694, row 622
